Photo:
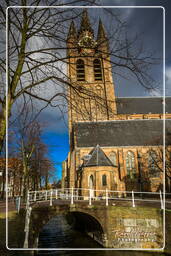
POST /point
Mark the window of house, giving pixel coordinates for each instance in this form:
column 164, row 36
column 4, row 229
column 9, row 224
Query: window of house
column 130, row 164
column 104, row 180
column 80, row 70
column 97, row 70
column 112, row 158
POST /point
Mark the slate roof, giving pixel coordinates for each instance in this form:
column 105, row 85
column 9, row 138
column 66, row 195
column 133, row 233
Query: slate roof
column 122, row 133
column 144, row 105
column 98, row 158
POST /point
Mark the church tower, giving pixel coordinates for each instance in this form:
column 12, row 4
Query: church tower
column 91, row 93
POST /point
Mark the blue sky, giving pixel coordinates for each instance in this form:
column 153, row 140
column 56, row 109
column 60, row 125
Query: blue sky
column 58, row 147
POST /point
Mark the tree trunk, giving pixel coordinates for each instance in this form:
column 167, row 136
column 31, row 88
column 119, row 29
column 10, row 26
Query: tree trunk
column 2, row 131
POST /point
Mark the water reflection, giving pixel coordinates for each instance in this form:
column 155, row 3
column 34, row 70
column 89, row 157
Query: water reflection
column 57, row 233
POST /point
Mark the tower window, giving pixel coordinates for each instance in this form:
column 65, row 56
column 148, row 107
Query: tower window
column 104, row 180
column 80, row 70
column 97, row 70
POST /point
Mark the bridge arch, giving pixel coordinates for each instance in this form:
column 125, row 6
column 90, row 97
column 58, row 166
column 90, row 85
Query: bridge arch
column 85, row 222
column 81, row 220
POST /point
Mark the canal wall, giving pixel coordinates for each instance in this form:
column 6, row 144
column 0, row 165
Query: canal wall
column 135, row 227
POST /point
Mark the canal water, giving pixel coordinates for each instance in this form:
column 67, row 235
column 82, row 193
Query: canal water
column 57, row 233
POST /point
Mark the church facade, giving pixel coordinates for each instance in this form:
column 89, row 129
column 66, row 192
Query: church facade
column 115, row 143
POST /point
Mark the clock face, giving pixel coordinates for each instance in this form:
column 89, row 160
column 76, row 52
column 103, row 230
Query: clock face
column 86, row 44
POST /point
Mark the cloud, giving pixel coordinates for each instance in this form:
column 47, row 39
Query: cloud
column 156, row 92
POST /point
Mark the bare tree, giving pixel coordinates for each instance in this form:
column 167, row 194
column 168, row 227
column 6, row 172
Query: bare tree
column 37, row 55
column 33, row 153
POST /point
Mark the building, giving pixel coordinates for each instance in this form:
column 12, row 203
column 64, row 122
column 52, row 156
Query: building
column 115, row 143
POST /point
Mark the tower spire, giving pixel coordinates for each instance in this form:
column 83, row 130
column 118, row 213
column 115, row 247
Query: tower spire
column 85, row 23
column 101, row 31
column 72, row 31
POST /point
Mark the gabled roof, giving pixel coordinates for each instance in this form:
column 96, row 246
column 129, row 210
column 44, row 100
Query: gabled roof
column 98, row 158
column 145, row 105
column 122, row 133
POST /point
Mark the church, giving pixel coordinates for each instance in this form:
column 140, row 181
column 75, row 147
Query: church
column 115, row 143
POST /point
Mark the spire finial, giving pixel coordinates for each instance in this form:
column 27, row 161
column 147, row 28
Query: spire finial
column 85, row 23
column 72, row 31
column 101, row 31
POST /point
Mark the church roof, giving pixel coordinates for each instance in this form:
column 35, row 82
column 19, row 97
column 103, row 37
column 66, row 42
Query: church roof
column 122, row 133
column 98, row 158
column 144, row 105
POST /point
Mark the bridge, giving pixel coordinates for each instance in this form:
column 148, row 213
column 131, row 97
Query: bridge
column 115, row 219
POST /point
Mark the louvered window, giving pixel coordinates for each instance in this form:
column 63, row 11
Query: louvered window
column 80, row 70
column 97, row 70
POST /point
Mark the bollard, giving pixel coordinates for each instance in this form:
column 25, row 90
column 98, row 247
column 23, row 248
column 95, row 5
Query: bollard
column 19, row 203
column 77, row 194
column 133, row 201
column 66, row 197
column 161, row 200
column 107, row 199
column 72, row 195
column 46, row 195
column 34, row 196
column 56, row 194
column 51, row 192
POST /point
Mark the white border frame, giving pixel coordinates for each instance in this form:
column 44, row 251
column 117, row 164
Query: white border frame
column 7, row 62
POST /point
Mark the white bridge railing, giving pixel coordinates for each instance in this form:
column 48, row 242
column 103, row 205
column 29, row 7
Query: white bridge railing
column 90, row 195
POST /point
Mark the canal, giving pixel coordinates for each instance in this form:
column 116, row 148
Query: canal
column 57, row 233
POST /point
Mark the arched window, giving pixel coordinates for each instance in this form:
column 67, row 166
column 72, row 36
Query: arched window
column 97, row 70
column 91, row 181
column 130, row 164
column 112, row 158
column 104, row 180
column 80, row 70
column 152, row 164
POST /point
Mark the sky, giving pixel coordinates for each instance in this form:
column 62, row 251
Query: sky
column 148, row 22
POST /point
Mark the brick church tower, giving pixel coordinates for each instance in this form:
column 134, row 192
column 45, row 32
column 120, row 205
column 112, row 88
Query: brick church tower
column 89, row 72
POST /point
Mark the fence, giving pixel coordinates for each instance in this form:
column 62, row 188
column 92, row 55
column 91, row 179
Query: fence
column 90, row 195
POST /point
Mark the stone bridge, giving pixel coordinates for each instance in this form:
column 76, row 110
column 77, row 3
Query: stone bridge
column 113, row 225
